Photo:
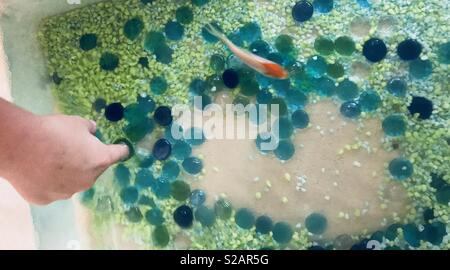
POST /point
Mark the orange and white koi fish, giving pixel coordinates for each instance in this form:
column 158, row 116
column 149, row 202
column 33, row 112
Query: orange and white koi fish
column 262, row 65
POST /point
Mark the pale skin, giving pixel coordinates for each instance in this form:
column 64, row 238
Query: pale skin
column 50, row 158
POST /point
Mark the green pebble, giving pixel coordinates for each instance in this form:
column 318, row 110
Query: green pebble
column 344, row 46
column 335, row 70
column 223, row 209
column 284, row 44
column 180, row 190
column 324, row 46
column 161, row 236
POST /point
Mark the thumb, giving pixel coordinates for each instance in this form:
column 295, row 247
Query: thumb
column 117, row 152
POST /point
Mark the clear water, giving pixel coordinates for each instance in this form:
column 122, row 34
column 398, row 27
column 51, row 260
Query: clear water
column 351, row 176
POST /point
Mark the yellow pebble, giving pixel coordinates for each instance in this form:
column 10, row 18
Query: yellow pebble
column 287, row 176
column 284, row 200
column 258, row 195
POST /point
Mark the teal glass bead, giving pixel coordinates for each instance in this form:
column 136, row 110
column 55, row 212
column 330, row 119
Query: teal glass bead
column 397, row 87
column 244, row 218
column 192, row 165
column 420, row 69
column 155, row 217
column 133, row 28
column 158, row 85
column 324, row 86
column 282, row 233
column 285, row 150
column 300, row 119
column 109, row 61
column 144, row 179
column 184, row 15
column 296, row 99
column 174, row 30
column 316, row 223
column 122, row 175
column 347, row 90
column 129, row 195
column 316, row 66
column 133, row 215
column 181, row 150
column 350, row 109
column 170, row 170
column 400, row 169
column 394, row 125
column 283, row 127
column 263, row 225
column 369, row 101
column 205, row 216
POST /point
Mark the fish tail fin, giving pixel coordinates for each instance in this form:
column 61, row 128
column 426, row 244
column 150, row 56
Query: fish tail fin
column 213, row 30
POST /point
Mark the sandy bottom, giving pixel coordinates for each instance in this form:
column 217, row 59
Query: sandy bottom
column 343, row 187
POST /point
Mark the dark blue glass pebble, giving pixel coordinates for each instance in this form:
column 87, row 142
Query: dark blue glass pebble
column 230, row 78
column 302, row 11
column 162, row 149
column 428, row 214
column 143, row 61
column 285, row 150
column 114, row 112
column 409, row 49
column 421, row 106
column 350, row 109
column 263, row 225
column 163, row 116
column 183, row 216
column 369, row 100
column 374, row 50
column 170, row 170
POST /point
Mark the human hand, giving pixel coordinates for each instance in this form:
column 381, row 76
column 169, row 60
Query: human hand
column 58, row 157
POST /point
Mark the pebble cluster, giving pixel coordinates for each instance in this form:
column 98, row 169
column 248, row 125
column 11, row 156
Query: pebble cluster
column 124, row 64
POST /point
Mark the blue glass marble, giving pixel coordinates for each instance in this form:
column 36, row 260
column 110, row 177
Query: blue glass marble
column 183, row 216
column 163, row 116
column 420, row 69
column 114, row 112
column 300, row 119
column 374, row 50
column 197, row 86
column 174, row 30
column 421, row 106
column 283, row 127
column 285, row 150
column 154, row 216
column 325, row 86
column 347, row 90
column 206, row 216
column 198, row 197
column 162, row 188
column 260, row 48
column 276, row 57
column 302, row 11
column 88, row 42
column 192, row 165
column 170, row 170
column 162, row 149
column 244, row 218
column 369, row 101
column 282, row 233
column 144, row 179
column 158, row 85
column 264, row 97
column 181, row 150
column 323, row 6
column 129, row 195
column 316, row 66
column 250, row 32
column 400, row 169
column 263, row 81
column 444, row 53
column 350, row 109
column 316, row 223
column 230, row 78
column 264, row 224
column 409, row 49
column 122, row 175
column 397, row 87
column 207, row 36
column 133, row 28
column 394, row 125
column 411, row 235
column 194, row 136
